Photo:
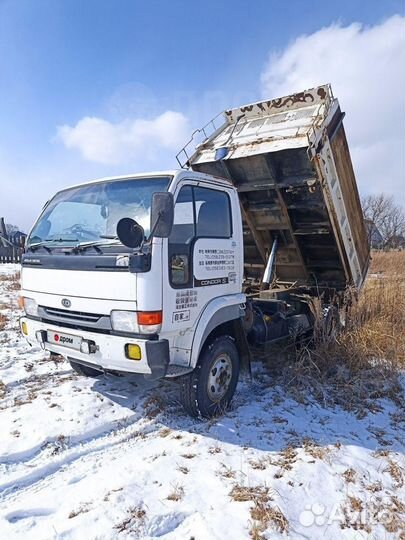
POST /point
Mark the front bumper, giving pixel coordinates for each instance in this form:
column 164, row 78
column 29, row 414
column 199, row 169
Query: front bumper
column 109, row 353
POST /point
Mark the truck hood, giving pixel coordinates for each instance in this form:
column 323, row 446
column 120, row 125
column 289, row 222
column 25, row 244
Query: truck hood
column 87, row 291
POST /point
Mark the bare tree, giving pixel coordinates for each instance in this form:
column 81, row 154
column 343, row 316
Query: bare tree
column 385, row 216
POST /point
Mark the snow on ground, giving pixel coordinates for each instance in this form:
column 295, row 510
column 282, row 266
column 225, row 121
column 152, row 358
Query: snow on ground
column 116, row 457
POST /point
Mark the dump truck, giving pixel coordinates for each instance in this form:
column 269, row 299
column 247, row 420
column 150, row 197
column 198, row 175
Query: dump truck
column 188, row 274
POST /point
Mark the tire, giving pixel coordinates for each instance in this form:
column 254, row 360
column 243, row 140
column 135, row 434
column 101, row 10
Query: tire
column 332, row 324
column 300, row 330
column 208, row 390
column 86, row 371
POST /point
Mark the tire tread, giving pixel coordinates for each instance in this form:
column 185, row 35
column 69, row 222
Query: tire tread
column 189, row 382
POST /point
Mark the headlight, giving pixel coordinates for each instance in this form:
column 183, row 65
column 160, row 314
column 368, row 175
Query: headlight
column 124, row 321
column 30, row 307
column 137, row 322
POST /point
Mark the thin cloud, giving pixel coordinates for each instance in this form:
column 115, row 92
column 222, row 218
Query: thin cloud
column 101, row 141
column 366, row 68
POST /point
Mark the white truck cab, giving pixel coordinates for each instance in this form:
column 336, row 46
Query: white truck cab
column 147, row 307
column 186, row 274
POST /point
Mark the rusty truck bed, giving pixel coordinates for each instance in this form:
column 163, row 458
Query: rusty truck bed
column 290, row 162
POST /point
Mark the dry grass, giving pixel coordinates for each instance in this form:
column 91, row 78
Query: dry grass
column 263, row 514
column 314, row 450
column 351, row 511
column 12, row 281
column 375, row 487
column 387, row 262
column 214, row 450
column 3, row 389
column 188, row 456
column 375, row 328
column 226, row 471
column 14, row 285
column 387, row 511
column 286, row 460
column 363, row 361
column 349, row 475
column 377, row 320
column 246, row 493
column 83, row 508
column 395, row 472
column 3, row 321
column 176, row 494
column 259, row 464
column 134, row 522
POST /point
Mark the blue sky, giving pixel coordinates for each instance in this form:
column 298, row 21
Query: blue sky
column 126, row 63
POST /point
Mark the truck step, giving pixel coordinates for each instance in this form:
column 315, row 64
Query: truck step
column 177, row 371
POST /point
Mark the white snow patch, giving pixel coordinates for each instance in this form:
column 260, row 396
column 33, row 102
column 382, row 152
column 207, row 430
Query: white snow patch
column 99, row 458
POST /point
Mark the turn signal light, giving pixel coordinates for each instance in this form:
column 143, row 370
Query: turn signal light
column 150, row 322
column 21, row 302
column 24, row 328
column 147, row 318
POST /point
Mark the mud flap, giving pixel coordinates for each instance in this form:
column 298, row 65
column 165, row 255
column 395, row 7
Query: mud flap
column 158, row 357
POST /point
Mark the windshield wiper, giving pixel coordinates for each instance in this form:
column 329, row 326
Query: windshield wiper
column 76, row 248
column 37, row 245
column 94, row 244
column 45, row 243
column 62, row 239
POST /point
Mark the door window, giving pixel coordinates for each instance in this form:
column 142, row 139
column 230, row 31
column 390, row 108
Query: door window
column 213, row 214
column 198, row 213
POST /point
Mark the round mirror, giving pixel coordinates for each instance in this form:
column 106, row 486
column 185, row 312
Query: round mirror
column 130, row 233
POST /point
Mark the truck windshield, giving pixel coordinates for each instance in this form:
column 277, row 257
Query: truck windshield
column 90, row 213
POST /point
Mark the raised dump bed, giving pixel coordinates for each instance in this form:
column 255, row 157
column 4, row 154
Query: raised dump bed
column 290, row 161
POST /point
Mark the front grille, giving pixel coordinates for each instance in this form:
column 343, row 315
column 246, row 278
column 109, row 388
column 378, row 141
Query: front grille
column 79, row 320
column 77, row 316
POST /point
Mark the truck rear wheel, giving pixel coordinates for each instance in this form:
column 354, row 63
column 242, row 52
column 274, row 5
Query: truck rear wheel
column 332, row 323
column 84, row 370
column 209, row 389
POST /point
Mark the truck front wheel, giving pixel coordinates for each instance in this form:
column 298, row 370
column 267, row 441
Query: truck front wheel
column 208, row 390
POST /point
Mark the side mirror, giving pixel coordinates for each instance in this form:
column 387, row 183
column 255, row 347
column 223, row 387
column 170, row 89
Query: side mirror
column 162, row 214
column 130, row 233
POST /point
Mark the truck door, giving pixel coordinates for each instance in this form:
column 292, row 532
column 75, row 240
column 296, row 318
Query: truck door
column 203, row 256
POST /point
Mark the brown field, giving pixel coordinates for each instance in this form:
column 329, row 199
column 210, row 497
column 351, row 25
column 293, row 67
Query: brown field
column 374, row 328
column 377, row 323
column 363, row 360
column 388, row 263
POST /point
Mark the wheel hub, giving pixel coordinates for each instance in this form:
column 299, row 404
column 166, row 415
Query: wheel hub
column 219, row 377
